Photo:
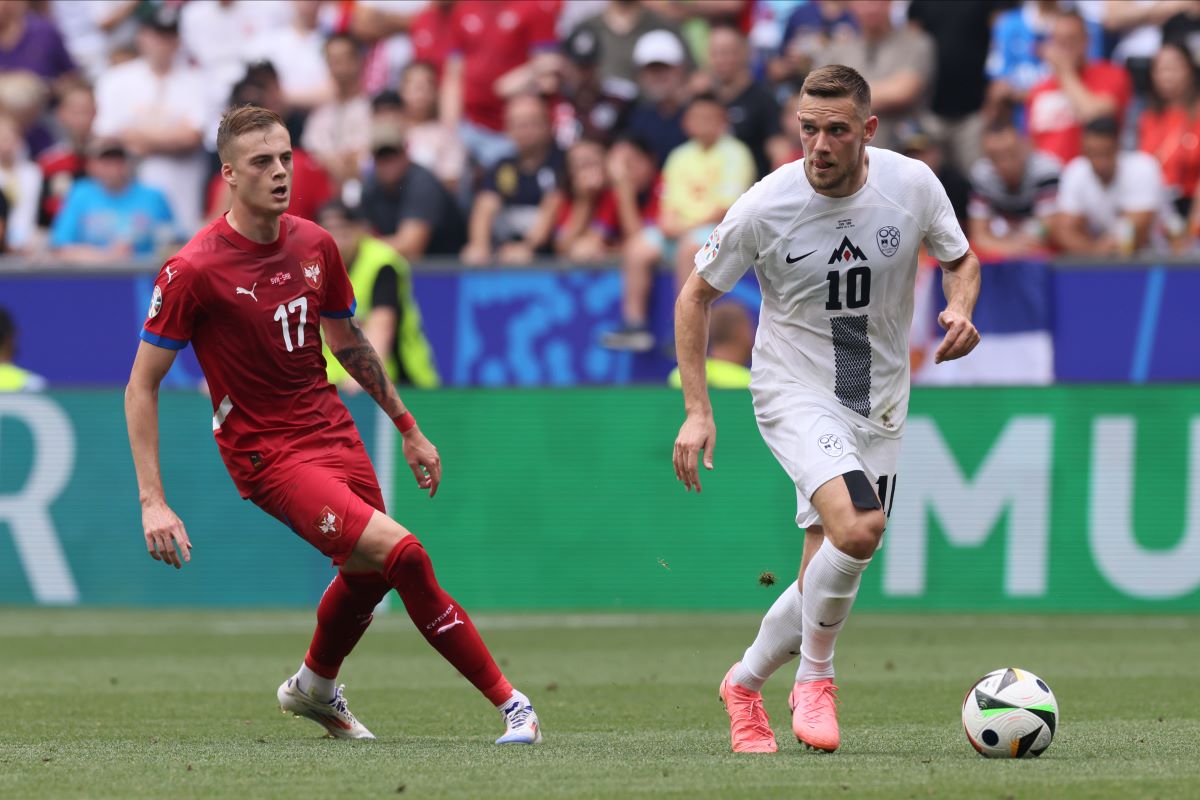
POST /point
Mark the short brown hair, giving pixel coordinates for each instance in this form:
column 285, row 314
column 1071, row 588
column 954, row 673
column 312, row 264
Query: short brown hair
column 838, row 80
column 243, row 119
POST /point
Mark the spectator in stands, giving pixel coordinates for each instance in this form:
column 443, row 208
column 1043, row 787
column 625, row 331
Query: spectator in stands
column 109, row 216
column 24, row 95
column 960, row 32
column 312, row 187
column 578, row 237
column 915, row 141
column 406, row 204
column 66, row 161
column 1111, row 201
column 1014, row 196
column 158, row 108
column 384, row 27
column 218, row 36
column 662, row 79
column 788, row 147
column 589, row 106
column 430, row 32
column 12, row 377
column 93, row 31
column 489, row 40
column 898, row 63
column 752, row 109
column 30, row 42
column 298, row 51
column 730, row 343
column 431, row 143
column 701, row 180
column 1014, row 62
column 338, row 132
column 21, row 182
column 1078, row 90
column 1183, row 29
column 631, row 222
column 522, row 195
column 387, row 310
column 1169, row 129
column 618, row 29
column 811, row 28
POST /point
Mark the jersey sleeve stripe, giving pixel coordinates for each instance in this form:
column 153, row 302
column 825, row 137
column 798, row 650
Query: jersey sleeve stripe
column 341, row 314
column 163, row 341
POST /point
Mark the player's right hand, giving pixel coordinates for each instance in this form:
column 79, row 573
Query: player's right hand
column 697, row 435
column 423, row 460
column 164, row 533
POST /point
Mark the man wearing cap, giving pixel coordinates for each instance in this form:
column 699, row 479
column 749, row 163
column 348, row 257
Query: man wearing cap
column 662, row 78
column 158, row 108
column 108, row 215
column 405, row 203
column 617, row 29
column 592, row 106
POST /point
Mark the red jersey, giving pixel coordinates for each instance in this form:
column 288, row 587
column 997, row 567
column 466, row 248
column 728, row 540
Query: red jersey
column 430, row 35
column 252, row 312
column 493, row 38
column 1053, row 126
column 60, row 167
column 1173, row 137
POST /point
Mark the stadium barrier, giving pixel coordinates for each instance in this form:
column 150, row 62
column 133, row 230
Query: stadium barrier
column 1051, row 499
column 539, row 326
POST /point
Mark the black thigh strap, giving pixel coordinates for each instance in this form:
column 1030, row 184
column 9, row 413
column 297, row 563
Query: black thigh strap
column 862, row 493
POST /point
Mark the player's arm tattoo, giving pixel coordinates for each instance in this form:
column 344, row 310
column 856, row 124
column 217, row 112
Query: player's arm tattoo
column 365, row 366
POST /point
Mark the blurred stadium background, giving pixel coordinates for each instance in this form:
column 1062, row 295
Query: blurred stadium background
column 515, row 185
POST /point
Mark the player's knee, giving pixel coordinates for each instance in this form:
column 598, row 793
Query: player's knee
column 861, row 538
column 408, row 563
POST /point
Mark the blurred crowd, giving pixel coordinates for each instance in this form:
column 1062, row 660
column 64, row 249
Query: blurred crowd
column 496, row 131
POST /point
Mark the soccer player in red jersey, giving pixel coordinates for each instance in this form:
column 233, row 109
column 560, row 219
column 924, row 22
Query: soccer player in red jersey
column 248, row 292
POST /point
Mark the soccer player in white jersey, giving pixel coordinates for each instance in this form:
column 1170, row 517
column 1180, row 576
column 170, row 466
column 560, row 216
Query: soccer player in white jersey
column 834, row 240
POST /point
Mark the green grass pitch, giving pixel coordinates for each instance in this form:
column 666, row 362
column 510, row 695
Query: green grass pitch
column 122, row 704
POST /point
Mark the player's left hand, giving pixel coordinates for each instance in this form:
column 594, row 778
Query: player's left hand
column 961, row 336
column 423, row 460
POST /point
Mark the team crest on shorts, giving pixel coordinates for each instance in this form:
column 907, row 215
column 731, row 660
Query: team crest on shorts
column 329, row 524
column 155, row 303
column 888, row 239
column 312, row 272
column 711, row 246
column 831, row 443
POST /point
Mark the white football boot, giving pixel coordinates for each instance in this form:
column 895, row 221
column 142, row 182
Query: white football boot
column 334, row 716
column 520, row 721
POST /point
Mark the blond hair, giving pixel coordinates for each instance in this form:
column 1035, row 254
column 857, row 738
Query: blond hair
column 243, row 119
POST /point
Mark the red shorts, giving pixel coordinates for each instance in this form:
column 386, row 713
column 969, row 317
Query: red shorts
column 327, row 500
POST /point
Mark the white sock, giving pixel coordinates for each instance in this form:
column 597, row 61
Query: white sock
column 777, row 643
column 830, row 586
column 514, row 696
column 315, row 686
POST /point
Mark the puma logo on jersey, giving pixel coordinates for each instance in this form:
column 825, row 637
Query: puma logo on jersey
column 249, row 291
column 170, row 274
column 442, row 629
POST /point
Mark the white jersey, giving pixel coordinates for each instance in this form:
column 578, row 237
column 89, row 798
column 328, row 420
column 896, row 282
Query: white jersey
column 837, row 279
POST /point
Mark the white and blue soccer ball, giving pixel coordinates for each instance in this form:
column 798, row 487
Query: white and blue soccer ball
column 1010, row 713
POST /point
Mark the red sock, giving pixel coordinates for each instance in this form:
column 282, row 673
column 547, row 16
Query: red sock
column 442, row 621
column 342, row 618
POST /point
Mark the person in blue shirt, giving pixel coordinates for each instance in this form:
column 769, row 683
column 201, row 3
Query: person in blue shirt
column 109, row 216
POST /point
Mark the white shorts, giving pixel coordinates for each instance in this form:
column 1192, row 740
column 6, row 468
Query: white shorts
column 816, row 444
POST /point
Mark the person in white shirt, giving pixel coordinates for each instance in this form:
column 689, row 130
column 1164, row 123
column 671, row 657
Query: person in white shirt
column 834, row 240
column 1112, row 202
column 217, row 36
column 298, row 52
column 21, row 182
column 338, row 132
column 158, row 108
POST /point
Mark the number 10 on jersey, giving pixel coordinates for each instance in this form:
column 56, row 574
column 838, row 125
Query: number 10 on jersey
column 281, row 316
column 858, row 288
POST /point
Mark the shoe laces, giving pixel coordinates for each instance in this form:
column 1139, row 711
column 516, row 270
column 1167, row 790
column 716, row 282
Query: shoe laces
column 817, row 702
column 517, row 714
column 338, row 703
column 756, row 714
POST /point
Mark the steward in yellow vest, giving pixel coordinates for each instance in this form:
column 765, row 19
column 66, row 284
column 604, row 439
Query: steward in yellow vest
column 12, row 377
column 731, row 337
column 387, row 310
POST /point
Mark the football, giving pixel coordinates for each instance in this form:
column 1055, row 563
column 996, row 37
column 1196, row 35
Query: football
column 1010, row 713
